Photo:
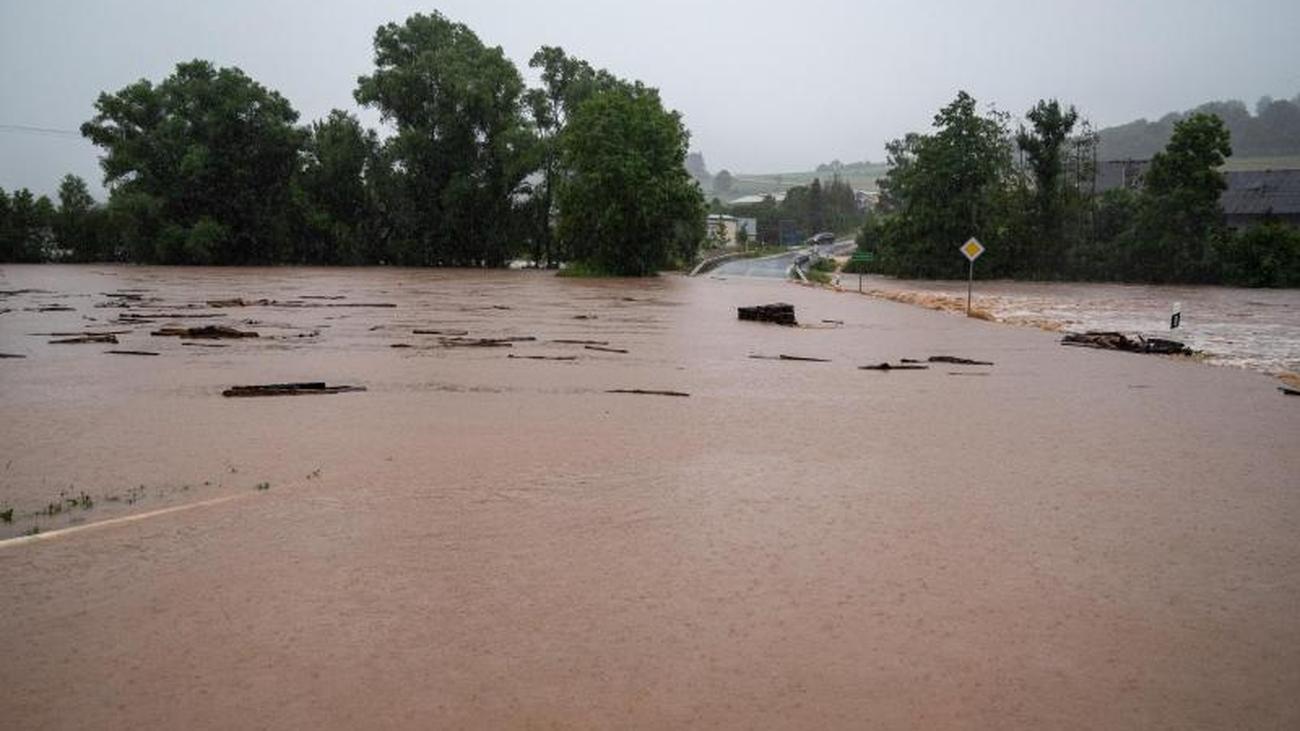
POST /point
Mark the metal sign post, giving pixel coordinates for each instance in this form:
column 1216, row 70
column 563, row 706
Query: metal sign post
column 1176, row 319
column 972, row 249
column 861, row 257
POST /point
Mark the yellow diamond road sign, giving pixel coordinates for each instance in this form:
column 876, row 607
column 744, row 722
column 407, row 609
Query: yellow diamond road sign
column 972, row 249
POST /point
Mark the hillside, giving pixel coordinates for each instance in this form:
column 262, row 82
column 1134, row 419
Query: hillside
column 1272, row 131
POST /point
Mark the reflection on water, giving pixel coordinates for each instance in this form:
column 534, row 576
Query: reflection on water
column 1250, row 328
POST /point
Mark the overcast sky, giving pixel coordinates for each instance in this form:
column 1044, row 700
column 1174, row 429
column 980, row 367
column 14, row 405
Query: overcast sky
column 765, row 85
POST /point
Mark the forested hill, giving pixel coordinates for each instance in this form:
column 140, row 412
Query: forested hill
column 1272, row 130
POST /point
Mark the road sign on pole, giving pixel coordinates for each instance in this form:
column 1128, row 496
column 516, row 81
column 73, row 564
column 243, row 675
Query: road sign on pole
column 861, row 257
column 1176, row 318
column 972, row 249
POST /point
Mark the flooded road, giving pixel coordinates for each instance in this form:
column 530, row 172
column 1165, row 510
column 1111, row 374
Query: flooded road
column 1066, row 539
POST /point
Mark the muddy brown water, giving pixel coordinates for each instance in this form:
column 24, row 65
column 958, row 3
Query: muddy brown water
column 1079, row 539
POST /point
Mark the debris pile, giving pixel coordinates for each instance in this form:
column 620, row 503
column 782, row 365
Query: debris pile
column 207, row 332
column 779, row 313
column 1120, row 341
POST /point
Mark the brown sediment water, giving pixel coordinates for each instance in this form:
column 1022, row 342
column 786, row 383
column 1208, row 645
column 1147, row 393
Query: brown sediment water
column 1080, row 539
column 1251, row 328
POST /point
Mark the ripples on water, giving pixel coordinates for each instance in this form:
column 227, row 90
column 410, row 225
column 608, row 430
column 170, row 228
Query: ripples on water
column 1248, row 328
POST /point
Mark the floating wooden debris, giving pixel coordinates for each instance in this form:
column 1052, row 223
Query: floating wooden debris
column 783, row 356
column 324, row 297
column 954, row 360
column 131, row 352
column 51, row 308
column 542, row 357
column 145, row 317
column 648, row 392
column 603, row 349
column 288, row 389
column 129, row 296
column 401, row 345
column 207, row 345
column 1120, row 341
column 86, row 339
column 585, row 317
column 833, row 322
column 475, row 343
column 968, row 373
column 779, row 313
column 207, row 332
column 238, row 302
column 1283, row 389
column 81, row 333
column 889, row 367
column 448, row 333
column 566, row 341
column 11, row 355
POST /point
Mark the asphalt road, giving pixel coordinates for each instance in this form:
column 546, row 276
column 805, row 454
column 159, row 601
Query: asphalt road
column 778, row 265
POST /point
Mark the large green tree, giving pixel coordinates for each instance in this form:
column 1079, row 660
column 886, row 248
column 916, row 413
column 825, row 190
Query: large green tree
column 1179, row 214
column 943, row 188
column 566, row 83
column 337, row 203
column 461, row 148
column 626, row 204
column 200, row 165
column 1043, row 144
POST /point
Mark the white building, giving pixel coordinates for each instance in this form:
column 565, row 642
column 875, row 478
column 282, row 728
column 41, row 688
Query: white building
column 731, row 226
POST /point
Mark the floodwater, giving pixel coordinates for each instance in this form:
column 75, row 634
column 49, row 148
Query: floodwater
column 1249, row 328
column 1067, row 539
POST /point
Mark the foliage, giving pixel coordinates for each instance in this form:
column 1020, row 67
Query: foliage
column 566, row 83
column 1043, row 145
column 944, row 188
column 722, row 182
column 461, row 148
column 1179, row 213
column 627, row 204
column 25, row 226
column 206, row 143
column 1266, row 255
column 333, row 195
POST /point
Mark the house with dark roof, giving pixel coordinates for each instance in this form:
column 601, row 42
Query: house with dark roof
column 1253, row 196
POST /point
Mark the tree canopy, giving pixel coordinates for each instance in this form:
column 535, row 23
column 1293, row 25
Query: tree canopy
column 626, row 204
column 202, row 163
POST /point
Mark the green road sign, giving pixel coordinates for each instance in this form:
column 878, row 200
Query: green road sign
column 862, row 256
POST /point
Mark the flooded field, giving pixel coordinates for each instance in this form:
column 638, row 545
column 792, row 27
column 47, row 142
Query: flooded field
column 500, row 532
column 1249, row 328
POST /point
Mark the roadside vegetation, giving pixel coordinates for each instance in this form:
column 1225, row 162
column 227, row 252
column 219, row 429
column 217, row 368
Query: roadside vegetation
column 1040, row 220
column 207, row 166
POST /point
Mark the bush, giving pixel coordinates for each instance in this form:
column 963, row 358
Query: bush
column 1265, row 255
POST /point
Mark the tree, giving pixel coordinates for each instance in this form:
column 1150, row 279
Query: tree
column 566, row 83
column 943, row 188
column 206, row 144
column 723, row 182
column 76, row 224
column 1179, row 213
column 1043, row 145
column 25, row 221
column 461, row 150
column 627, row 205
column 336, row 198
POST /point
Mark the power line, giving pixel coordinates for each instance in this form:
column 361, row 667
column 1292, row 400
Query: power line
column 40, row 131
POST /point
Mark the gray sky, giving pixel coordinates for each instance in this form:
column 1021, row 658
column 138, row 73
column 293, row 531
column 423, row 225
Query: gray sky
column 764, row 86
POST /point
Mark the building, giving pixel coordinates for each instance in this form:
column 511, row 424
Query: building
column 731, row 226
column 1253, row 196
column 866, row 200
